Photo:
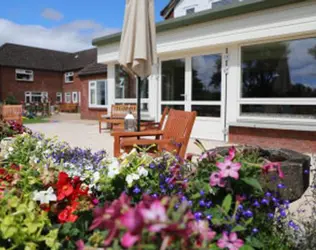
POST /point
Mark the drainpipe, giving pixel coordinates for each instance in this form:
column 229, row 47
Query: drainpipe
column 225, row 95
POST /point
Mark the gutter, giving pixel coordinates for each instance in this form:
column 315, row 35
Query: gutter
column 235, row 9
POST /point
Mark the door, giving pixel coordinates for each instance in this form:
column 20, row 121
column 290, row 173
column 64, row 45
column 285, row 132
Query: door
column 196, row 83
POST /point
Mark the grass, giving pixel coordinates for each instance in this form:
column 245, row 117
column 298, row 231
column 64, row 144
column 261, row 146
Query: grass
column 35, row 120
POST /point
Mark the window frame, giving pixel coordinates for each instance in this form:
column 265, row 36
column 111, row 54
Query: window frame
column 69, row 74
column 273, row 101
column 59, row 95
column 95, row 95
column 74, row 94
column 23, row 71
column 67, row 94
column 189, row 9
column 29, row 94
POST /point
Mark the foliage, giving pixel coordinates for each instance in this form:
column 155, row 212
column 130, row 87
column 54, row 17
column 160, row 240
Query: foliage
column 11, row 128
column 11, row 100
column 139, row 201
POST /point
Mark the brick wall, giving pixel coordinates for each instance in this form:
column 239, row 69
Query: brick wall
column 74, row 86
column 86, row 112
column 44, row 81
column 301, row 141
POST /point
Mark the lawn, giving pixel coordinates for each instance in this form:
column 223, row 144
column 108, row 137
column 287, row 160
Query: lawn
column 35, row 120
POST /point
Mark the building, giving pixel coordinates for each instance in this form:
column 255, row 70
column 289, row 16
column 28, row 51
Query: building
column 247, row 68
column 32, row 74
column 178, row 8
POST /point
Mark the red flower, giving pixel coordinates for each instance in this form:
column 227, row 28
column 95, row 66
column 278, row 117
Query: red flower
column 67, row 214
column 64, row 187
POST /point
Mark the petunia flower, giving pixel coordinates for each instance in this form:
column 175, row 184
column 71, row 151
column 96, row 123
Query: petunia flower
column 231, row 153
column 142, row 171
column 230, row 241
column 45, row 197
column 216, row 180
column 229, row 168
column 156, row 216
column 273, row 166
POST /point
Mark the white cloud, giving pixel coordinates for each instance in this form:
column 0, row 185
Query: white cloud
column 52, row 14
column 73, row 36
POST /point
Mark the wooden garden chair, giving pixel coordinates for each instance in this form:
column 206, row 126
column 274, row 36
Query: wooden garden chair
column 174, row 137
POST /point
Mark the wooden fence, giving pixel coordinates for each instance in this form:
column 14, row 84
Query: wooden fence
column 11, row 113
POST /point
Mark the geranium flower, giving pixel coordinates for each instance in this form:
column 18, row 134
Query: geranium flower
column 216, row 180
column 229, row 168
column 45, row 197
column 64, row 187
column 67, row 214
column 230, row 241
column 156, row 216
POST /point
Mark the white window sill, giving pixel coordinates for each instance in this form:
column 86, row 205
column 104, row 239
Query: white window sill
column 273, row 125
column 97, row 107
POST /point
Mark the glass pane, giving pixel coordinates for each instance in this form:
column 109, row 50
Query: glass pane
column 280, row 70
column 206, row 78
column 144, row 89
column 101, row 93
column 173, row 80
column 177, row 107
column 92, row 96
column 125, row 84
column 207, row 111
column 299, row 111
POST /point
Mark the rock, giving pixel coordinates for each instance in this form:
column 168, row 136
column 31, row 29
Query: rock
column 295, row 166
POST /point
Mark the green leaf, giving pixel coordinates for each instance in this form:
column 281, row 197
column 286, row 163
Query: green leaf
column 249, row 221
column 216, row 221
column 255, row 242
column 246, row 247
column 252, row 182
column 227, row 203
column 196, row 196
column 238, row 228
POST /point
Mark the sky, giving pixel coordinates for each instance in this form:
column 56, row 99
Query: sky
column 67, row 25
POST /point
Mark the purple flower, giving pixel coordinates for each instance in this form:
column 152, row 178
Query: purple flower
column 240, row 207
column 190, row 203
column 268, row 194
column 275, row 200
column 306, row 172
column 248, row 214
column 198, row 215
column 183, row 198
column 270, row 216
column 202, row 192
column 136, row 190
column 155, row 196
column 293, row 225
column 283, row 213
column 281, row 185
column 202, row 203
column 255, row 230
column 209, row 217
column 209, row 204
column 256, row 204
column 265, row 202
column 152, row 165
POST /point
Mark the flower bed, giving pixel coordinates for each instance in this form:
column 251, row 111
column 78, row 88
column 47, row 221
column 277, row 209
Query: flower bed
column 54, row 196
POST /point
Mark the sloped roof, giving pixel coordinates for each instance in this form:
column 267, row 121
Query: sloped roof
column 20, row 56
column 169, row 8
column 92, row 69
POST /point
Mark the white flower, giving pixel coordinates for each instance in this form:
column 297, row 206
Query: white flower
column 95, row 177
column 129, row 179
column 10, row 149
column 44, row 197
column 142, row 171
column 114, row 169
column 39, row 144
column 135, row 177
column 47, row 151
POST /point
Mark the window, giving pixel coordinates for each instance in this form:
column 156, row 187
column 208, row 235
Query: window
column 126, row 89
column 68, row 97
column 69, row 77
column 173, row 80
column 75, row 97
column 206, row 78
column 35, row 97
column 98, row 94
column 59, row 97
column 24, row 75
column 190, row 11
column 281, row 74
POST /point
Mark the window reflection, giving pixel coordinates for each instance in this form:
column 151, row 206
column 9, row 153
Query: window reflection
column 280, row 69
column 206, row 78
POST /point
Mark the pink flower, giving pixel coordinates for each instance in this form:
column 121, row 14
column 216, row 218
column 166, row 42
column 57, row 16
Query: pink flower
column 128, row 240
column 231, row 153
column 272, row 166
column 230, row 241
column 229, row 168
column 216, row 180
column 202, row 228
column 156, row 216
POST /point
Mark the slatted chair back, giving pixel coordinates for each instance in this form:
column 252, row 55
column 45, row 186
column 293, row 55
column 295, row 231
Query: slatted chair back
column 11, row 113
column 121, row 110
column 178, row 128
column 163, row 117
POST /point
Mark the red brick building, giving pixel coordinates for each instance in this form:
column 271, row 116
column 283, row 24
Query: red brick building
column 30, row 74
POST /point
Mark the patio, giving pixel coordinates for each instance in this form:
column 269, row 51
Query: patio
column 85, row 133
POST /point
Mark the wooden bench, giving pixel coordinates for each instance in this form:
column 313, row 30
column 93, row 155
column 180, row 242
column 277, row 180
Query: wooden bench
column 69, row 107
column 11, row 113
column 118, row 113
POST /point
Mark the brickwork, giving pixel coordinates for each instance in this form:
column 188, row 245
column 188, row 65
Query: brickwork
column 301, row 141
